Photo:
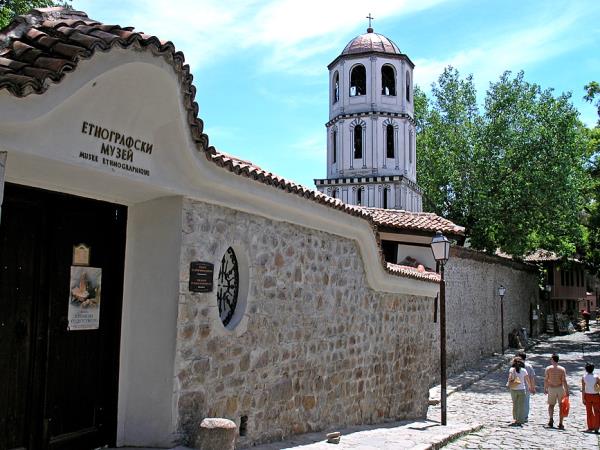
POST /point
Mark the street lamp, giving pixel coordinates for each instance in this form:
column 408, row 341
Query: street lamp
column 440, row 247
column 501, row 292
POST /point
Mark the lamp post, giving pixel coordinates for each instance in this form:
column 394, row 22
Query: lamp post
column 553, row 309
column 440, row 247
column 501, row 292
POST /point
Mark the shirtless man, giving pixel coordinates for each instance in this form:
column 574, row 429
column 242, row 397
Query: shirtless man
column 556, row 387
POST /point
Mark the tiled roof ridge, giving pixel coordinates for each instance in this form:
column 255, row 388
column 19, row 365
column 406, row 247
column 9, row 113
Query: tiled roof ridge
column 39, row 48
column 404, row 211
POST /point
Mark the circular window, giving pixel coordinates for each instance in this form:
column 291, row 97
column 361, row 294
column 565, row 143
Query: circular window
column 228, row 287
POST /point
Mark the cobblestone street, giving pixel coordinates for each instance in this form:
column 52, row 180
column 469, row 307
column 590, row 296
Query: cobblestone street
column 487, row 402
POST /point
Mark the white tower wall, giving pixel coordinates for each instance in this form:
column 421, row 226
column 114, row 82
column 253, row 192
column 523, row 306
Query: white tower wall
column 385, row 178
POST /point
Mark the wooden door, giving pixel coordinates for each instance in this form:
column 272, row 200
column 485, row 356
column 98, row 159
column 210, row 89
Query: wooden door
column 70, row 398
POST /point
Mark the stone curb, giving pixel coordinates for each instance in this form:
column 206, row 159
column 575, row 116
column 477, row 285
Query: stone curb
column 439, row 443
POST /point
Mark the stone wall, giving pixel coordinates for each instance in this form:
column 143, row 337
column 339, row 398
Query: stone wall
column 473, row 304
column 317, row 349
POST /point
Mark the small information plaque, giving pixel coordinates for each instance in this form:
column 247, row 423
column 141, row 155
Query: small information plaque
column 81, row 255
column 201, row 276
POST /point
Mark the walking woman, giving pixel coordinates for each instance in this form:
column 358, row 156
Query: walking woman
column 591, row 398
column 517, row 383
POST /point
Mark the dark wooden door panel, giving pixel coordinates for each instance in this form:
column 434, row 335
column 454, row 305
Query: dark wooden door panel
column 62, row 384
column 18, row 242
column 80, row 369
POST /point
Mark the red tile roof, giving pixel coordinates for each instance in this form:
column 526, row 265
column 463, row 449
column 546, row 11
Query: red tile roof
column 40, row 48
column 412, row 272
column 406, row 220
column 541, row 255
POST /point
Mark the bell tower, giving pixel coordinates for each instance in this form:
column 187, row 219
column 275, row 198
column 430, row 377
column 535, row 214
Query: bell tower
column 371, row 140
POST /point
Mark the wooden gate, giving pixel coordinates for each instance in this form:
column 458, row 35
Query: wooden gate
column 59, row 322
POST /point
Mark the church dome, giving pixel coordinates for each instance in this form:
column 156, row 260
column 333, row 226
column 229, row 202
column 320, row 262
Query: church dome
column 371, row 42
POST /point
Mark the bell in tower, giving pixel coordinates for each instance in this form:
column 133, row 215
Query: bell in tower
column 371, row 140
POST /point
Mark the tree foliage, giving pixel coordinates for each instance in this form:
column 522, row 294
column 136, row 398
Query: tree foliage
column 11, row 8
column 511, row 171
column 591, row 91
column 591, row 249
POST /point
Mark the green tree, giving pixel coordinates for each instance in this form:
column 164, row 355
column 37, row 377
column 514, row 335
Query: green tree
column 591, row 91
column 512, row 174
column 11, row 8
column 591, row 249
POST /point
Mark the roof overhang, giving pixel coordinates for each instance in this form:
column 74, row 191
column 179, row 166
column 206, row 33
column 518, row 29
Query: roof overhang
column 351, row 56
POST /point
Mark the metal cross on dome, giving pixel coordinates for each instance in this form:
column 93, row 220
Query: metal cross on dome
column 370, row 18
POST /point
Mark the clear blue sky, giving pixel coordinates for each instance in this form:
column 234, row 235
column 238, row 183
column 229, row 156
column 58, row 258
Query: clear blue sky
column 260, row 67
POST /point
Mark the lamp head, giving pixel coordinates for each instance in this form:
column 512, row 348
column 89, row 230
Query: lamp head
column 501, row 291
column 440, row 247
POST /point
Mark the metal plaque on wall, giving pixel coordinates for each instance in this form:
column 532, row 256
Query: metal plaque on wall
column 201, row 276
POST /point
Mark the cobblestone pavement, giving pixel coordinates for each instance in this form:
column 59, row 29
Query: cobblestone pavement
column 488, row 402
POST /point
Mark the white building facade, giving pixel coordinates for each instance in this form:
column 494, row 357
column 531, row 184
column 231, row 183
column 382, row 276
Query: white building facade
column 371, row 138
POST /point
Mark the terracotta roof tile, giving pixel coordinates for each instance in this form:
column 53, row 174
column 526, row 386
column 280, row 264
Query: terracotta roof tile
column 542, row 255
column 41, row 46
column 398, row 218
column 412, row 272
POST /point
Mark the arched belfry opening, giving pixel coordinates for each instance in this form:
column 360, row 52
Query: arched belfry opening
column 358, row 80
column 336, row 87
column 388, row 80
column 358, row 142
column 389, row 141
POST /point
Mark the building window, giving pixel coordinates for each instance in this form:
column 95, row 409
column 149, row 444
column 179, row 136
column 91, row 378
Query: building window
column 388, row 80
column 334, row 193
column 407, row 87
column 334, row 137
column 359, row 196
column 389, row 141
column 358, row 142
column 336, row 87
column 358, row 80
column 410, row 146
column 385, row 197
column 228, row 287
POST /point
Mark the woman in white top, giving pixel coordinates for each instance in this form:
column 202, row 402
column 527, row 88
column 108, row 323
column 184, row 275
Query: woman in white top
column 517, row 383
column 591, row 398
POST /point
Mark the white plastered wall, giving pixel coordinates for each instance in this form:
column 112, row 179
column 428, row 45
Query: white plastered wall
column 149, row 326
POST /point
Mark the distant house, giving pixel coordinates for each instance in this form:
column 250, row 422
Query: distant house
column 565, row 282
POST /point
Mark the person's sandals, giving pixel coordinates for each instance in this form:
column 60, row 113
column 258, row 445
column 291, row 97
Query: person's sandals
column 551, row 423
column 561, row 427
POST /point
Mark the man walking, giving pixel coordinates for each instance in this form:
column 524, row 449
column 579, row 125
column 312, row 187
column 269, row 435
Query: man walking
column 556, row 387
column 531, row 379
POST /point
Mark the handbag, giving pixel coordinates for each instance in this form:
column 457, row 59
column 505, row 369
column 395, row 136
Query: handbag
column 565, row 405
column 514, row 383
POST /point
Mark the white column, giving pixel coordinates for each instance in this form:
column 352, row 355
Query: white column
column 351, row 147
column 396, row 147
column 341, row 148
column 374, row 146
column 373, row 80
column 364, row 150
column 343, row 87
column 402, row 90
column 2, row 168
column 404, row 137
